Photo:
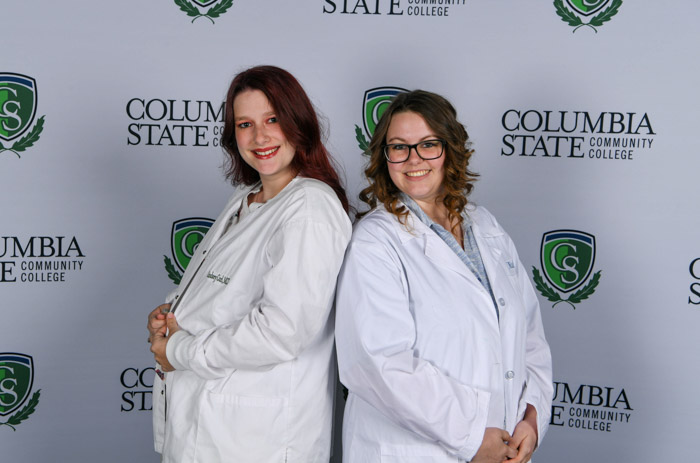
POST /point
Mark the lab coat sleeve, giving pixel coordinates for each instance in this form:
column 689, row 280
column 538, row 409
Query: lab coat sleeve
column 304, row 257
column 375, row 335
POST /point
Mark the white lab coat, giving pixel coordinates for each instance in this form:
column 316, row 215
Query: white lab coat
column 255, row 371
column 421, row 348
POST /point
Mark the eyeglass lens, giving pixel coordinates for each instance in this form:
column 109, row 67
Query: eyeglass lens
column 427, row 149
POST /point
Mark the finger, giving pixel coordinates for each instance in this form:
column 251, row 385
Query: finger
column 524, row 453
column 516, row 440
column 158, row 310
column 171, row 322
column 505, row 437
column 156, row 314
column 162, row 331
column 155, row 324
column 511, row 453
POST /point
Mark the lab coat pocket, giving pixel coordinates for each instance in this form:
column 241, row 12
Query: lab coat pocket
column 242, row 428
column 415, row 454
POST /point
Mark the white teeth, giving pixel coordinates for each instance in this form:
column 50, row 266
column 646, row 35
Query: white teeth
column 417, row 173
column 265, row 153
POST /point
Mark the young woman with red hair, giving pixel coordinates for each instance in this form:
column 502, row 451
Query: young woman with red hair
column 245, row 353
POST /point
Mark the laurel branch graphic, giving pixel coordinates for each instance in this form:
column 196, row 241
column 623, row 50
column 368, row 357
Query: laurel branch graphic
column 173, row 274
column 23, row 414
column 362, row 141
column 213, row 12
column 575, row 298
column 598, row 20
column 28, row 140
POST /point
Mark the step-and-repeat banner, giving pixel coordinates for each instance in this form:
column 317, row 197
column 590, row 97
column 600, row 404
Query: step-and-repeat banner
column 584, row 117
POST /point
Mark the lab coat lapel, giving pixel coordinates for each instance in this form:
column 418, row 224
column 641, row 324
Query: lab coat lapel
column 490, row 255
column 439, row 252
column 435, row 248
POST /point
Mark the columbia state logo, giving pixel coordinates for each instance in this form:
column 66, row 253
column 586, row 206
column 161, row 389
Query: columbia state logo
column 567, row 258
column 185, row 236
column 18, row 101
column 576, row 13
column 196, row 8
column 375, row 102
column 16, row 381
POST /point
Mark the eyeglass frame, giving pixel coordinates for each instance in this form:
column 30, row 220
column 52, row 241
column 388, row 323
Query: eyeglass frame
column 443, row 144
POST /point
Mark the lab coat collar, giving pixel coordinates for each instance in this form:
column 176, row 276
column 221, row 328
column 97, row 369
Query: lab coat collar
column 231, row 209
column 433, row 246
column 438, row 251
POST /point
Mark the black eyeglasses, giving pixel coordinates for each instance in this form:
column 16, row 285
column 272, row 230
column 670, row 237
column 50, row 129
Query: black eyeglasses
column 426, row 150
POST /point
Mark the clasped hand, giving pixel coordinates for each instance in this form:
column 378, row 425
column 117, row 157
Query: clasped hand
column 161, row 325
column 498, row 446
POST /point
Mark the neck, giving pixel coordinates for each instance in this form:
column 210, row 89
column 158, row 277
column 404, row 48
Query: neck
column 272, row 186
column 437, row 212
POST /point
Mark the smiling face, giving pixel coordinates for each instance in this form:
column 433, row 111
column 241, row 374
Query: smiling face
column 260, row 140
column 418, row 178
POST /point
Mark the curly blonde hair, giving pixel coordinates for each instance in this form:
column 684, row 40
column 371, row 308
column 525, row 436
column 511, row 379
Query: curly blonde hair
column 441, row 117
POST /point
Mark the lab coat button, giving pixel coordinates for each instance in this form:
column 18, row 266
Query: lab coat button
column 502, row 301
column 510, row 374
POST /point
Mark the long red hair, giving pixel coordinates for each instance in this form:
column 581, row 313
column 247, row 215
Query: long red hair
column 298, row 121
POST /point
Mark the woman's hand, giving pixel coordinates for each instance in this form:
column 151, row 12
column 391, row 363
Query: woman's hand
column 494, row 447
column 525, row 436
column 159, row 341
column 156, row 320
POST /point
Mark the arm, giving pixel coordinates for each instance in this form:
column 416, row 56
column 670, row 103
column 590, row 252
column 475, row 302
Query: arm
column 304, row 257
column 375, row 336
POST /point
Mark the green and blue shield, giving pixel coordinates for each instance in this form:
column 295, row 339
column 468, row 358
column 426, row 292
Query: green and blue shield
column 18, row 99
column 185, row 237
column 587, row 7
column 16, row 378
column 567, row 258
column 376, row 101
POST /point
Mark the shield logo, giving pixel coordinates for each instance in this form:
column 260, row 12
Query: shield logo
column 205, row 2
column 587, row 7
column 16, row 379
column 185, row 236
column 18, row 99
column 375, row 103
column 567, row 258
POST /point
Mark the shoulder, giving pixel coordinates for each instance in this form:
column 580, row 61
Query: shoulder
column 313, row 191
column 376, row 219
column 380, row 225
column 308, row 199
column 484, row 220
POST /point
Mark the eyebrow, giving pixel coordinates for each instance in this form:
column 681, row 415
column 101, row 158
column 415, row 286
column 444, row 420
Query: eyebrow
column 402, row 140
column 267, row 114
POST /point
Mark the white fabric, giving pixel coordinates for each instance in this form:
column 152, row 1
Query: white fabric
column 420, row 347
column 254, row 360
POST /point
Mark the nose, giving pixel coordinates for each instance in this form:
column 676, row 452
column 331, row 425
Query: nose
column 261, row 136
column 411, row 158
